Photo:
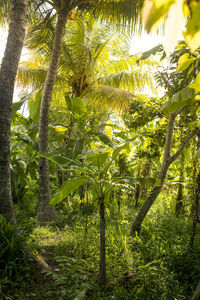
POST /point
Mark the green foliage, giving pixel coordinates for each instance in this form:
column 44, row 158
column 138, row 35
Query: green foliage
column 67, row 188
column 181, row 99
column 34, row 107
column 14, row 257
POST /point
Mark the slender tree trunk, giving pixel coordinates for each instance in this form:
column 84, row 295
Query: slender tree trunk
column 167, row 160
column 137, row 189
column 179, row 199
column 194, row 176
column 7, row 78
column 102, row 266
column 82, row 196
column 196, row 211
column 137, row 194
column 46, row 213
column 145, row 173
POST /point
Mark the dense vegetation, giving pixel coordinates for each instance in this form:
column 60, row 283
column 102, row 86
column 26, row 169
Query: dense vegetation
column 99, row 173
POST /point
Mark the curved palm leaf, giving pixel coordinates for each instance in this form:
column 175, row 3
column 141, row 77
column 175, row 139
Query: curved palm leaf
column 109, row 98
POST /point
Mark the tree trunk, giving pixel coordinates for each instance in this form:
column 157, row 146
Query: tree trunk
column 179, row 199
column 146, row 173
column 46, row 213
column 196, row 211
column 137, row 195
column 137, row 189
column 167, row 160
column 102, row 267
column 7, row 78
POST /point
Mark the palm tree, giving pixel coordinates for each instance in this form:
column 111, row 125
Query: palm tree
column 45, row 213
column 94, row 65
column 8, row 72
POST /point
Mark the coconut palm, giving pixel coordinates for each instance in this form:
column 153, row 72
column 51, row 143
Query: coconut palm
column 94, row 65
column 64, row 11
column 8, row 72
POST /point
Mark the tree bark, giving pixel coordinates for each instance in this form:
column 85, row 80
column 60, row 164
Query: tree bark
column 196, row 211
column 146, row 173
column 179, row 198
column 167, row 160
column 102, row 266
column 46, row 213
column 137, row 189
column 8, row 72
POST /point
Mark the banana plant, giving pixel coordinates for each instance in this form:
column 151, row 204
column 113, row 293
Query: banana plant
column 96, row 172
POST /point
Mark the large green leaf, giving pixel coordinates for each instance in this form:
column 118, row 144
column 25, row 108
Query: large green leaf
column 78, row 147
column 17, row 105
column 181, row 99
column 60, row 160
column 68, row 102
column 98, row 159
column 104, row 138
column 78, row 106
column 67, row 188
column 150, row 52
column 34, row 107
column 185, row 61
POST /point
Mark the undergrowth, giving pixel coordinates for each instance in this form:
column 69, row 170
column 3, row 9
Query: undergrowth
column 158, row 264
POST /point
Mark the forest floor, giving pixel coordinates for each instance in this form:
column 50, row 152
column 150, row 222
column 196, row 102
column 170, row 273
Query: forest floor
column 64, row 262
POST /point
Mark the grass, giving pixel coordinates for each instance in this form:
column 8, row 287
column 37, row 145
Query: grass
column 156, row 265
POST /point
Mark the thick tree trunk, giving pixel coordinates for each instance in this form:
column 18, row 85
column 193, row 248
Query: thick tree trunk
column 7, row 78
column 167, row 160
column 102, row 266
column 46, row 213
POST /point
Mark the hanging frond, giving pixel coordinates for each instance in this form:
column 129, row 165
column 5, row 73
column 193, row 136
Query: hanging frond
column 39, row 36
column 124, row 13
column 108, row 98
column 136, row 80
column 34, row 78
column 5, row 12
column 31, row 78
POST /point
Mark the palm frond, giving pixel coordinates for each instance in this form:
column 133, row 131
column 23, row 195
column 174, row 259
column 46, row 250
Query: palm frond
column 31, row 78
column 135, row 81
column 5, row 7
column 124, row 13
column 40, row 36
column 108, row 98
column 34, row 78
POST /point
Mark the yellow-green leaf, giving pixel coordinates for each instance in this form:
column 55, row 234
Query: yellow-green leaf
column 108, row 129
column 196, row 84
column 192, row 34
column 185, row 61
column 154, row 11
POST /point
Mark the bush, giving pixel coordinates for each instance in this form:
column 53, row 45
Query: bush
column 14, row 258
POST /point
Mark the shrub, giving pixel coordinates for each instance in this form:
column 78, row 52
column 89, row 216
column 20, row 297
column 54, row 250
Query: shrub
column 14, row 258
